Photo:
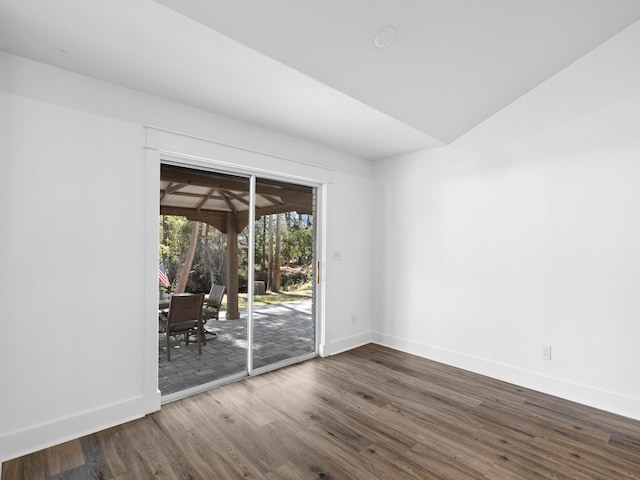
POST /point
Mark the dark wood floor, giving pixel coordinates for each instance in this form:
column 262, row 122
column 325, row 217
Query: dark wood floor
column 369, row 413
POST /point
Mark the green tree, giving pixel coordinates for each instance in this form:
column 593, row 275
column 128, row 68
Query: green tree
column 297, row 245
column 175, row 235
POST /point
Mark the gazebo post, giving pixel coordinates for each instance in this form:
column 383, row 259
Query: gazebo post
column 232, row 267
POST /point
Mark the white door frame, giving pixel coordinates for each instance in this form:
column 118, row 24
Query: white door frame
column 163, row 151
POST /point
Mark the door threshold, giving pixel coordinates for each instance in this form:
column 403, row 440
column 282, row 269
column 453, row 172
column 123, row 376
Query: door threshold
column 188, row 392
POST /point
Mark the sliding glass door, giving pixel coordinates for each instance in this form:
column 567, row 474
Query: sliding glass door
column 248, row 244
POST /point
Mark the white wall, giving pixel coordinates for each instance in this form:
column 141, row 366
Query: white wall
column 525, row 232
column 74, row 213
column 349, row 301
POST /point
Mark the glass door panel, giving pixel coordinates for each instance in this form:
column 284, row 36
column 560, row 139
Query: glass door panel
column 284, row 249
column 204, row 217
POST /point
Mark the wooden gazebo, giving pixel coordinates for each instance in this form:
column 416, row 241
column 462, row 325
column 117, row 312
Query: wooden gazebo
column 222, row 201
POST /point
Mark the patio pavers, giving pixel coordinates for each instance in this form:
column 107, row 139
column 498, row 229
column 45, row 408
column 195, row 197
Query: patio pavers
column 280, row 332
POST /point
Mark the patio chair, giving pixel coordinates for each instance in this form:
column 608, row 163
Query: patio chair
column 211, row 306
column 184, row 317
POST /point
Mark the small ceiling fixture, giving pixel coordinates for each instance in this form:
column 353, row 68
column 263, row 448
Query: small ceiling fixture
column 386, row 36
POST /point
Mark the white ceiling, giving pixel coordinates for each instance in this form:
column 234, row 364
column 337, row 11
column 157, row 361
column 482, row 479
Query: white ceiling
column 311, row 69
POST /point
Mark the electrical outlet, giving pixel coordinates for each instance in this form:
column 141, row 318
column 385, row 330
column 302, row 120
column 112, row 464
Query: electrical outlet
column 337, row 255
column 545, row 352
column 354, row 319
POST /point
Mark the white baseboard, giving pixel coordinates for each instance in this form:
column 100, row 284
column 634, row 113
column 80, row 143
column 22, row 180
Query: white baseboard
column 586, row 395
column 35, row 438
column 344, row 344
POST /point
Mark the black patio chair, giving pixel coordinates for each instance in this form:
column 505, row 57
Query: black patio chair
column 184, row 317
column 211, row 306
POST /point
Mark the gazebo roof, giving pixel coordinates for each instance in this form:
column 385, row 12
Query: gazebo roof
column 214, row 198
